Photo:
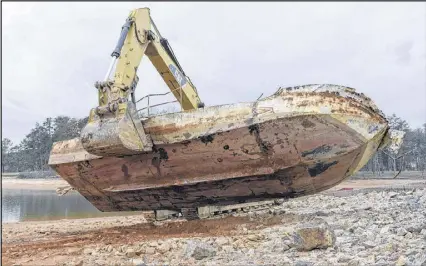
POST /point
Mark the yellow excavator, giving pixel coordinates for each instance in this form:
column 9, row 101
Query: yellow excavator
column 203, row 161
column 114, row 127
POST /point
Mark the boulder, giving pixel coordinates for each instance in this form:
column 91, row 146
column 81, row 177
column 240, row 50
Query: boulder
column 199, row 250
column 308, row 237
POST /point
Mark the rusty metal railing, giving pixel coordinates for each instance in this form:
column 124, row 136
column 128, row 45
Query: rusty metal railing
column 149, row 106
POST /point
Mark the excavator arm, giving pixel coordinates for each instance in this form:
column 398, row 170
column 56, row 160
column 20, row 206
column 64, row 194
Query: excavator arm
column 140, row 36
column 114, row 128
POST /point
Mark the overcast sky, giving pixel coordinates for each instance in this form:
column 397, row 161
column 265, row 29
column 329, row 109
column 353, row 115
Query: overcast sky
column 54, row 52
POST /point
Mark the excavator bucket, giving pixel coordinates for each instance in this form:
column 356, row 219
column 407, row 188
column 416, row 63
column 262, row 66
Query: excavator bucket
column 300, row 141
column 115, row 135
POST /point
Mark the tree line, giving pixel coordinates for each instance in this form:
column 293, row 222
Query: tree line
column 32, row 153
column 410, row 157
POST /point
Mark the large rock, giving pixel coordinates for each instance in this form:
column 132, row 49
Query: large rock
column 165, row 247
column 199, row 250
column 401, row 232
column 202, row 253
column 415, row 227
column 308, row 237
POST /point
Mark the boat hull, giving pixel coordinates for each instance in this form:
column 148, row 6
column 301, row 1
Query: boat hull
column 287, row 145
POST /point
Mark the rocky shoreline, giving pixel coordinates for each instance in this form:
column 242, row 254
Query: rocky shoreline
column 385, row 227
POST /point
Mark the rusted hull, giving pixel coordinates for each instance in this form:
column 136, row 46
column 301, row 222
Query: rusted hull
column 232, row 154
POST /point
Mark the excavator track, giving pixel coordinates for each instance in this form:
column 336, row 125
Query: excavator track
column 190, row 213
column 211, row 212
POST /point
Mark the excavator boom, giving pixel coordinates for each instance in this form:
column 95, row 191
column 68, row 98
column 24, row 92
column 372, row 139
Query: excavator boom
column 140, row 36
column 114, row 127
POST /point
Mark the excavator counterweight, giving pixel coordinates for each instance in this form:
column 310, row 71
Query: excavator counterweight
column 299, row 141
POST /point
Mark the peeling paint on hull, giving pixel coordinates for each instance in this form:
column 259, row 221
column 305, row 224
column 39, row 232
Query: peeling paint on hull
column 294, row 143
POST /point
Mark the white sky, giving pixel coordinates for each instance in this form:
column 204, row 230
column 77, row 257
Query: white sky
column 54, row 52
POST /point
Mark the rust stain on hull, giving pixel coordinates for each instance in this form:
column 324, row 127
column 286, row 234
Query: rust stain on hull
column 286, row 145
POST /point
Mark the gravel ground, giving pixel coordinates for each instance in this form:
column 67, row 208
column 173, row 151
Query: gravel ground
column 364, row 228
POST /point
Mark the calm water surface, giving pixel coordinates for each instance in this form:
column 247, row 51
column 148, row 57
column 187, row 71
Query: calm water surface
column 24, row 204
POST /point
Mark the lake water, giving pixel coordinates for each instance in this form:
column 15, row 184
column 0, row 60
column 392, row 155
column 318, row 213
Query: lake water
column 23, row 205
